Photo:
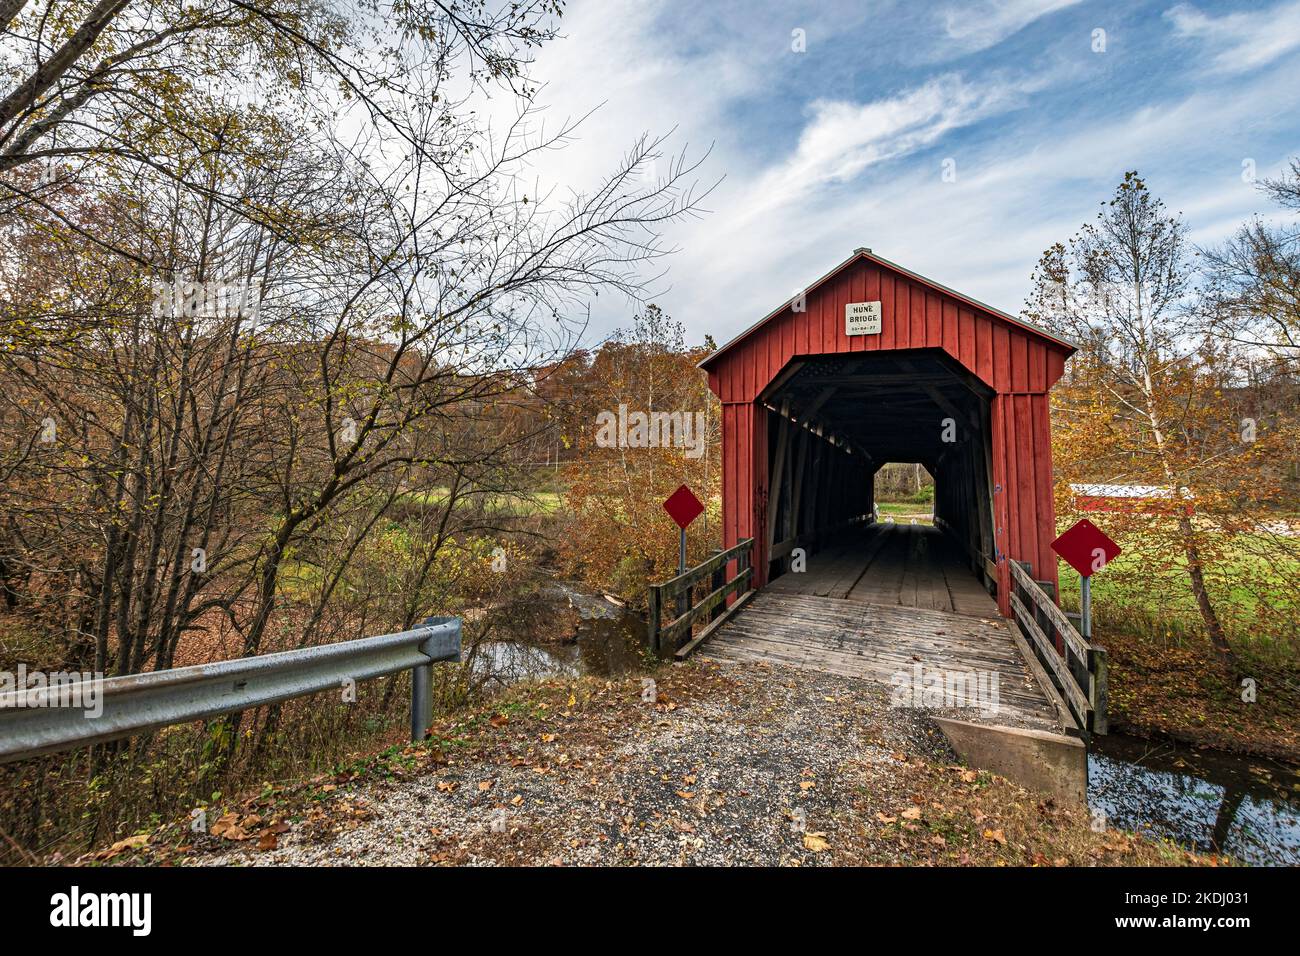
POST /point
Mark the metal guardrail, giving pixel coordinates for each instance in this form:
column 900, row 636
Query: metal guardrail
column 136, row 703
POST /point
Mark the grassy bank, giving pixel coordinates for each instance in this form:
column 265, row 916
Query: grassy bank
column 1165, row 678
column 1161, row 687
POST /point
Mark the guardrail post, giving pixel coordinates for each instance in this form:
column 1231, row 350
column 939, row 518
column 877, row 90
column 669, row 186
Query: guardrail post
column 421, row 701
column 685, row 601
column 1099, row 667
column 422, row 683
column 719, row 579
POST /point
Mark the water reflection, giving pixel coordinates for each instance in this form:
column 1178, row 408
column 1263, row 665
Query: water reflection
column 1247, row 808
column 606, row 641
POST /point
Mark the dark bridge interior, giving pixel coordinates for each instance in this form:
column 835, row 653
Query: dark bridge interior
column 838, row 419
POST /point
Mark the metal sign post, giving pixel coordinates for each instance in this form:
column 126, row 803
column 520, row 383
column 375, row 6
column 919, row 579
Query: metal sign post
column 683, row 507
column 1085, row 604
column 1087, row 549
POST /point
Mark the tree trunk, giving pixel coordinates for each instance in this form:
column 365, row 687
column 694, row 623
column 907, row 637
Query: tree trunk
column 1208, row 614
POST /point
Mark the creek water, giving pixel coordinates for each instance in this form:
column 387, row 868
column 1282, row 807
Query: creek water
column 1205, row 800
column 606, row 641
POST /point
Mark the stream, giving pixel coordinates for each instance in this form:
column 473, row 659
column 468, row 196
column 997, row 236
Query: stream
column 1206, row 800
column 605, row 641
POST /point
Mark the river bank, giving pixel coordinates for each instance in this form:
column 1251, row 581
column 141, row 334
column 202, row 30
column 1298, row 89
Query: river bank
column 1175, row 691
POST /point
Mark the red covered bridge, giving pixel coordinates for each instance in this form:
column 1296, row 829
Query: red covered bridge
column 813, row 405
column 875, row 364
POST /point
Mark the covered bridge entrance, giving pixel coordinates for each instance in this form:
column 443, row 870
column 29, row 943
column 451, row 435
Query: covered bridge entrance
column 875, row 364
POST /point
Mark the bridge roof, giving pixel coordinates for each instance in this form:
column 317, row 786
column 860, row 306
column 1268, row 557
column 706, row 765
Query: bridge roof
column 864, row 254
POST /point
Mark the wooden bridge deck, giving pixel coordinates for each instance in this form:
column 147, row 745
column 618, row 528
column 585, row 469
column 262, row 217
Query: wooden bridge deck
column 893, row 564
column 879, row 605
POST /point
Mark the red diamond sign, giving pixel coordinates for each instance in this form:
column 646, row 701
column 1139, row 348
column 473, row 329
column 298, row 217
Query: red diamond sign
column 683, row 507
column 1086, row 547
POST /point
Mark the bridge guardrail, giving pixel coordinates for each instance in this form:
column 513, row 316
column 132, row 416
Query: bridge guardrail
column 136, row 703
column 667, row 638
column 1077, row 667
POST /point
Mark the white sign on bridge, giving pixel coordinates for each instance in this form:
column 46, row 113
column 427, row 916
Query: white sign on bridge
column 862, row 318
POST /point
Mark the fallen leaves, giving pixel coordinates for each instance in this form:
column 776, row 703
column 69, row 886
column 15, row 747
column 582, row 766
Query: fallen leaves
column 228, row 827
column 136, row 842
column 233, row 826
column 816, row 842
column 996, row 836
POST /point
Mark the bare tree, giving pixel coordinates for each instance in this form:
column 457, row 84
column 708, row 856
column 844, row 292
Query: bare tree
column 395, row 283
column 1255, row 278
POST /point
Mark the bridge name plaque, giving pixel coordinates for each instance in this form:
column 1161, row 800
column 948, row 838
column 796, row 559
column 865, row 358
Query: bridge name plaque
column 862, row 318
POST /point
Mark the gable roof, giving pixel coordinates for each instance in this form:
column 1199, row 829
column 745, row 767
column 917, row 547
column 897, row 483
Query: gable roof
column 866, row 254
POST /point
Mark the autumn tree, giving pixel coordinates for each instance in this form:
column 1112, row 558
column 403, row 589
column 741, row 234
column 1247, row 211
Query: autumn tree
column 397, row 284
column 1144, row 401
column 641, row 395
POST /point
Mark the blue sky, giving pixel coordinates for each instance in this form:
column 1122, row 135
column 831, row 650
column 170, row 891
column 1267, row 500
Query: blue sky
column 843, row 145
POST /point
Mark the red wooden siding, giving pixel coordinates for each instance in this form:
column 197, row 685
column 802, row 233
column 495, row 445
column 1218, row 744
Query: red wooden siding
column 1019, row 363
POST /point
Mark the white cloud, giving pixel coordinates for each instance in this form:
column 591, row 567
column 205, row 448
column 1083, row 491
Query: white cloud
column 978, row 26
column 810, row 181
column 1240, row 41
column 843, row 138
column 981, row 234
column 779, row 226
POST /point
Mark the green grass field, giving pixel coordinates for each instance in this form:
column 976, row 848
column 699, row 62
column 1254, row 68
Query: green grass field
column 904, row 510
column 1254, row 586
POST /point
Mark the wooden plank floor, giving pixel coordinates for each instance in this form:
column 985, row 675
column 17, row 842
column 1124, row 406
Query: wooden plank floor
column 875, row 643
column 893, row 564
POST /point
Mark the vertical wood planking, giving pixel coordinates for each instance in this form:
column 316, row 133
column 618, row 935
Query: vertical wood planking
column 1044, row 492
column 885, row 293
column 1016, row 363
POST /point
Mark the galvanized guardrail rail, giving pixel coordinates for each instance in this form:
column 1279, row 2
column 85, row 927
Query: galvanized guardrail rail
column 137, row 703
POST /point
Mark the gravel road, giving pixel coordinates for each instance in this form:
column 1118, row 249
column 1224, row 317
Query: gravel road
column 728, row 764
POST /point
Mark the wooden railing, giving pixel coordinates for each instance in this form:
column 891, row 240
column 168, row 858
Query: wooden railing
column 984, row 567
column 814, row 539
column 677, row 598
column 1077, row 668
